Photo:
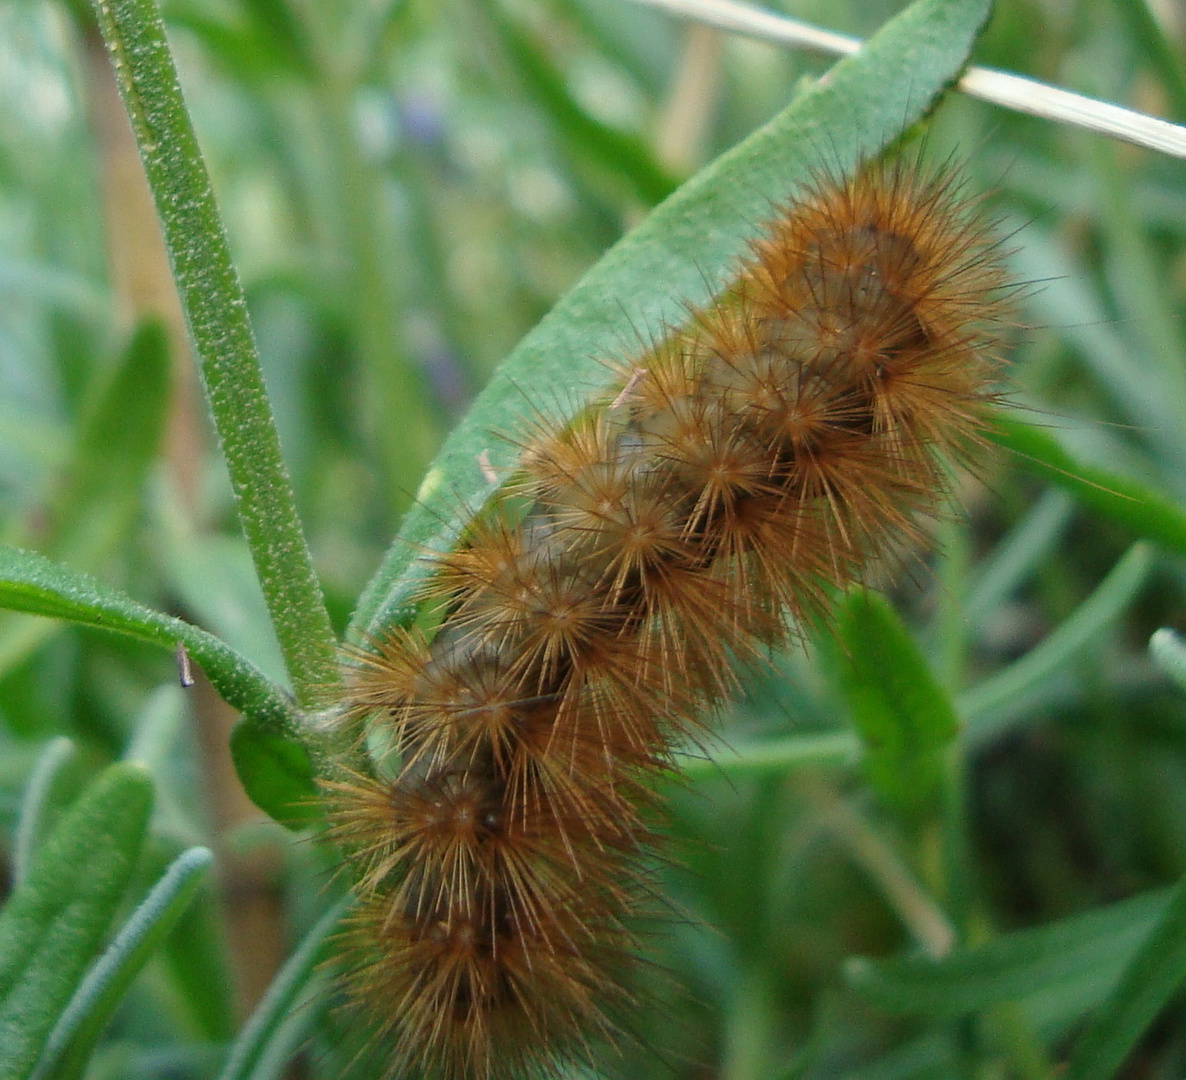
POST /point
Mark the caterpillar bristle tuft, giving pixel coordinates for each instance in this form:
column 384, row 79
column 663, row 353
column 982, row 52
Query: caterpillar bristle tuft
column 787, row 441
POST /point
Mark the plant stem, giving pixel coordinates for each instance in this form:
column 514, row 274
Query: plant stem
column 216, row 313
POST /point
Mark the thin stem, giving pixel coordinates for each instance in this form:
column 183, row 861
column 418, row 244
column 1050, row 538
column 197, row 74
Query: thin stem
column 998, row 87
column 216, row 313
column 927, row 922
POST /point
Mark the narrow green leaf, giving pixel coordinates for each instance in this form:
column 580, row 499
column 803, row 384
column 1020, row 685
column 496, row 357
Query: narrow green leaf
column 212, row 575
column 98, row 494
column 31, row 827
column 773, row 756
column 1017, row 555
column 1068, row 301
column 1142, row 511
column 31, row 583
column 586, row 139
column 197, row 960
column 904, row 718
column 680, row 255
column 53, row 924
column 216, row 312
column 1169, row 654
column 1151, row 978
column 986, row 705
column 259, row 1037
column 74, row 1036
column 1156, row 50
column 1087, row 952
column 119, row 438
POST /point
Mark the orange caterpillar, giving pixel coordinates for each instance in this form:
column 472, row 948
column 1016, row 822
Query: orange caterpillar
column 787, row 437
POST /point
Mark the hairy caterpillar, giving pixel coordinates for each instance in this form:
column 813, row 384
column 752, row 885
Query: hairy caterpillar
column 787, row 437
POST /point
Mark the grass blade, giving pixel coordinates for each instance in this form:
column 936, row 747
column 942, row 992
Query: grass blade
column 1147, row 514
column 267, row 1024
column 51, row 927
column 32, row 825
column 74, row 1036
column 1149, row 981
column 985, row 704
column 1084, row 950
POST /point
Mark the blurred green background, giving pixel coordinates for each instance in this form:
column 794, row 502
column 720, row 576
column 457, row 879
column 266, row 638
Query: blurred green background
column 408, row 187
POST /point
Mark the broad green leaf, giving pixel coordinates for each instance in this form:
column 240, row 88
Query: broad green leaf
column 1151, row 978
column 52, row 926
column 1145, row 513
column 681, row 254
column 277, row 772
column 73, row 1038
column 903, row 716
column 31, row 583
column 1086, row 952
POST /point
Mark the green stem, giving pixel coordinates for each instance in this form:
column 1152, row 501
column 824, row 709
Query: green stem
column 773, row 756
column 216, row 312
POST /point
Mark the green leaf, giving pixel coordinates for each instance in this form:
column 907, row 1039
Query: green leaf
column 31, row 583
column 681, row 255
column 772, row 756
column 215, row 309
column 1142, row 511
column 267, row 1036
column 53, row 924
column 585, row 139
column 1168, row 652
column 99, row 492
column 74, row 1036
column 1156, row 52
column 38, row 799
column 279, row 773
column 196, row 958
column 213, row 577
column 904, row 717
column 1083, row 955
column 1150, row 980
column 991, row 705
column 119, row 439
column 1017, row 555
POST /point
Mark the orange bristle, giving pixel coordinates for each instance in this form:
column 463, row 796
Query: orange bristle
column 782, row 443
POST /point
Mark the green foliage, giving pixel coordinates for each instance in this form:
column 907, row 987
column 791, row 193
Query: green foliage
column 984, row 763
column 72, row 1040
column 904, row 718
column 52, row 926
